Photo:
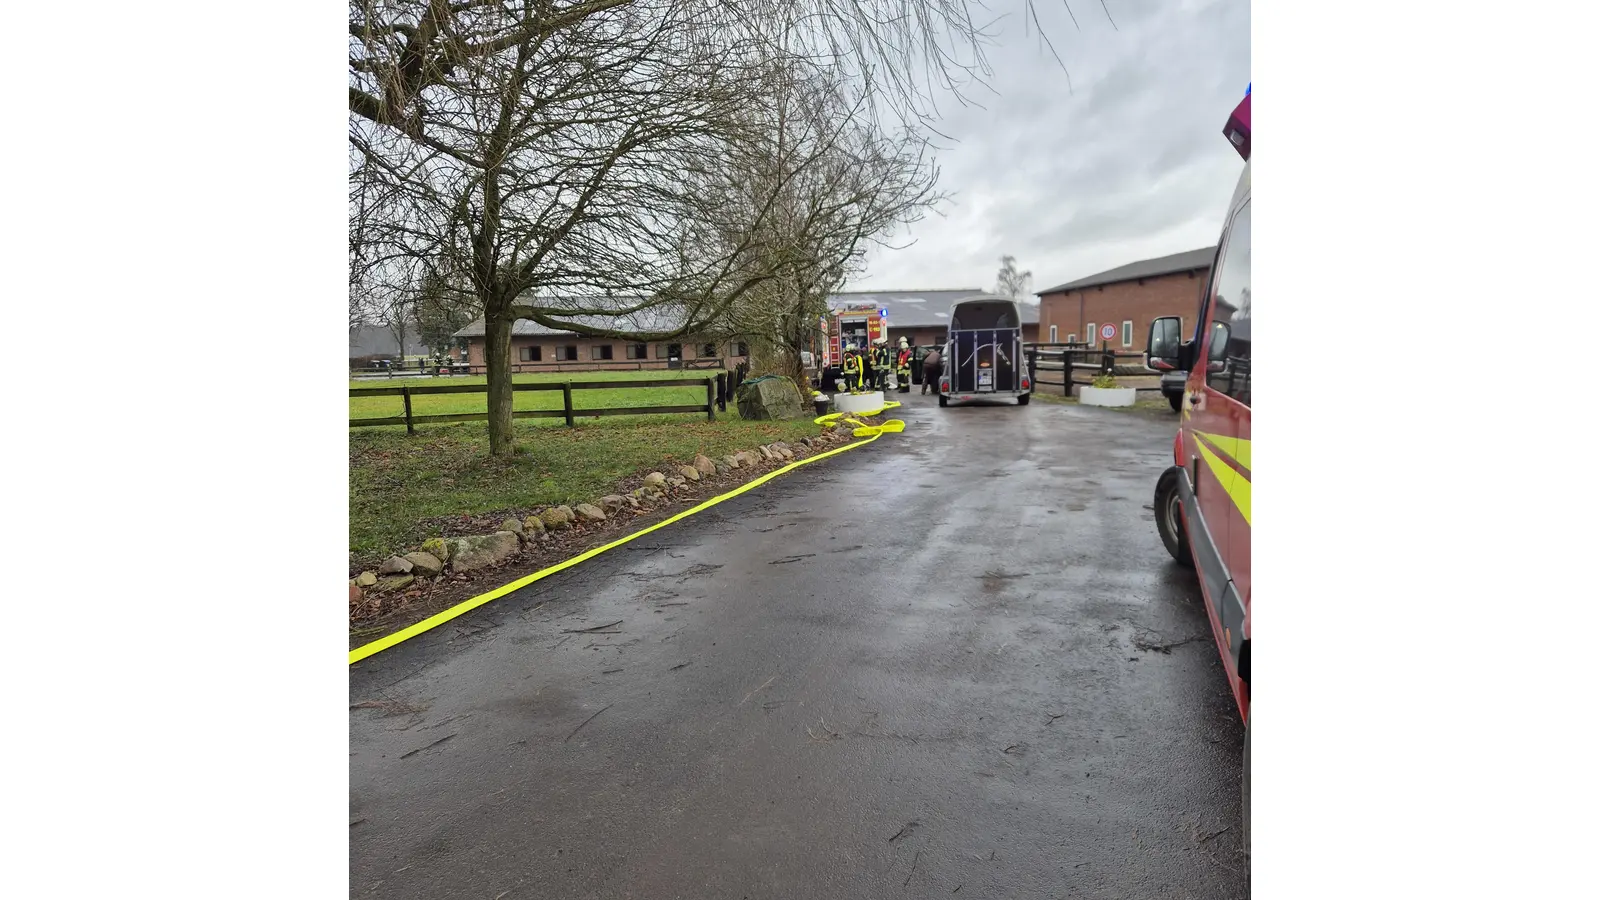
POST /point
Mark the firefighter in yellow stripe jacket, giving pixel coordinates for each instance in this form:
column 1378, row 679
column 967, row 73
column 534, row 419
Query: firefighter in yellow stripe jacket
column 852, row 366
column 882, row 364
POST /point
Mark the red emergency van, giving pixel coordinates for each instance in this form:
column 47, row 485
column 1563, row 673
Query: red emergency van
column 1203, row 501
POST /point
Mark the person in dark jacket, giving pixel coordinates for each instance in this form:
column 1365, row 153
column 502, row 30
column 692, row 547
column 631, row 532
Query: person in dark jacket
column 932, row 368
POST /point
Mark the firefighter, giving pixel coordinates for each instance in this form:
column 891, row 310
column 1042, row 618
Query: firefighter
column 902, row 367
column 852, row 369
column 881, row 364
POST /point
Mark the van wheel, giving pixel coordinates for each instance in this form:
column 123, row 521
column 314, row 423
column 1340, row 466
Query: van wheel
column 1023, row 400
column 1244, row 793
column 1177, row 402
column 1169, row 517
column 943, row 400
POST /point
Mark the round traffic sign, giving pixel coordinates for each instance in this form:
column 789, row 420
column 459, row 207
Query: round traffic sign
column 1108, row 331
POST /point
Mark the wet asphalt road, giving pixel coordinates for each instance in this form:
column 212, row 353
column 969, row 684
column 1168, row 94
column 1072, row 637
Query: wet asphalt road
column 912, row 670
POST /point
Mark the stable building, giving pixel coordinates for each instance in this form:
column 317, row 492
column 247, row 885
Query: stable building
column 1128, row 297
column 539, row 348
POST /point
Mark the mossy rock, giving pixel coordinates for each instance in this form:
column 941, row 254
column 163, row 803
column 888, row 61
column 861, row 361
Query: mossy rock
column 439, row 547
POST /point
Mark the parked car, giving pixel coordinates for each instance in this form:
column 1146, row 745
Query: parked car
column 1172, row 386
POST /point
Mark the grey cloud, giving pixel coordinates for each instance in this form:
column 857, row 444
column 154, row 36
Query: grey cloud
column 1131, row 163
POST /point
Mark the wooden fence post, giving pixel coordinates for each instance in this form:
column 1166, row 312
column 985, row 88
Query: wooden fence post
column 566, row 401
column 1066, row 372
column 711, row 399
column 405, row 394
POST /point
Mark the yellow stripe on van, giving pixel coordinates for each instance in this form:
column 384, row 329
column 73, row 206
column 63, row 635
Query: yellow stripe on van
column 1237, row 448
column 1237, row 486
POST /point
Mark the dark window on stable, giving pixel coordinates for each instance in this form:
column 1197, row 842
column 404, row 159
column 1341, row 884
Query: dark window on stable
column 707, row 351
column 1228, row 350
column 638, row 351
column 529, row 354
column 741, row 349
column 600, row 351
column 569, row 353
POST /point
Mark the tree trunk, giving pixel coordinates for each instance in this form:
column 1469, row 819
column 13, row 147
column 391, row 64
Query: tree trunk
column 497, row 356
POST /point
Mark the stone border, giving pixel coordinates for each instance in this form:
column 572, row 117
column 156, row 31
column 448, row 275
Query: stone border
column 447, row 568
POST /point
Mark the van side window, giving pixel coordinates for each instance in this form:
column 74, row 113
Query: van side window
column 1228, row 369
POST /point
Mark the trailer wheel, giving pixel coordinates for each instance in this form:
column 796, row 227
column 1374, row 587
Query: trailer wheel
column 1023, row 400
column 943, row 400
column 1169, row 517
column 1177, row 402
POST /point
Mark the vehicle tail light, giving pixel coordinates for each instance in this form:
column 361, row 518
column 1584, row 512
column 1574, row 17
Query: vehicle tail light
column 1238, row 128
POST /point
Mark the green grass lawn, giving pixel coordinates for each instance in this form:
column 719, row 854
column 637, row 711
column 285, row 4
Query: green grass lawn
column 396, row 480
column 446, row 404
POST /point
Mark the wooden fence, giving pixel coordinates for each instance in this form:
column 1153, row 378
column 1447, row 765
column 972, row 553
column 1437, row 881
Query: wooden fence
column 717, row 391
column 1074, row 360
column 451, row 368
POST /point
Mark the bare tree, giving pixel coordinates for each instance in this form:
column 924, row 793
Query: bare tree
column 837, row 184
column 1009, row 281
column 561, row 152
column 535, row 155
column 442, row 308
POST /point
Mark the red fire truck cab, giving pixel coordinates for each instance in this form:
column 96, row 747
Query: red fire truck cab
column 1203, row 501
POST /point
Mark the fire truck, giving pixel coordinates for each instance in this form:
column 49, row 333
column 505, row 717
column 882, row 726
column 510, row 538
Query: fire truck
column 1202, row 501
column 859, row 325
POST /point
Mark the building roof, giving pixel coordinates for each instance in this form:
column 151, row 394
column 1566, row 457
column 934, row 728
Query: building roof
column 922, row 309
column 907, row 309
column 653, row 319
column 1146, row 268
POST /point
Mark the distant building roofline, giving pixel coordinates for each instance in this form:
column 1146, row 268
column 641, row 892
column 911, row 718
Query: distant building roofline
column 1189, row 260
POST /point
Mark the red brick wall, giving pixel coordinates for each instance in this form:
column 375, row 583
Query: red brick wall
column 1142, row 301
column 585, row 359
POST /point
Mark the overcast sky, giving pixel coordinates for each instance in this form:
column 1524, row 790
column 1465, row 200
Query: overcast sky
column 1130, row 164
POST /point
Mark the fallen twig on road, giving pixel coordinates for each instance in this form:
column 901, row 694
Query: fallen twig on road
column 828, row 734
column 905, row 831
column 596, row 629
column 587, row 721
column 429, row 746
column 913, row 867
column 758, row 690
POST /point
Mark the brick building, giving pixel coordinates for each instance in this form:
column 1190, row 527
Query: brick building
column 1128, row 297
column 537, row 348
column 923, row 317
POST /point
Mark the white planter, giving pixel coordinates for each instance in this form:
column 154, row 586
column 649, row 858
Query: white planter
column 856, row 403
column 1093, row 396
